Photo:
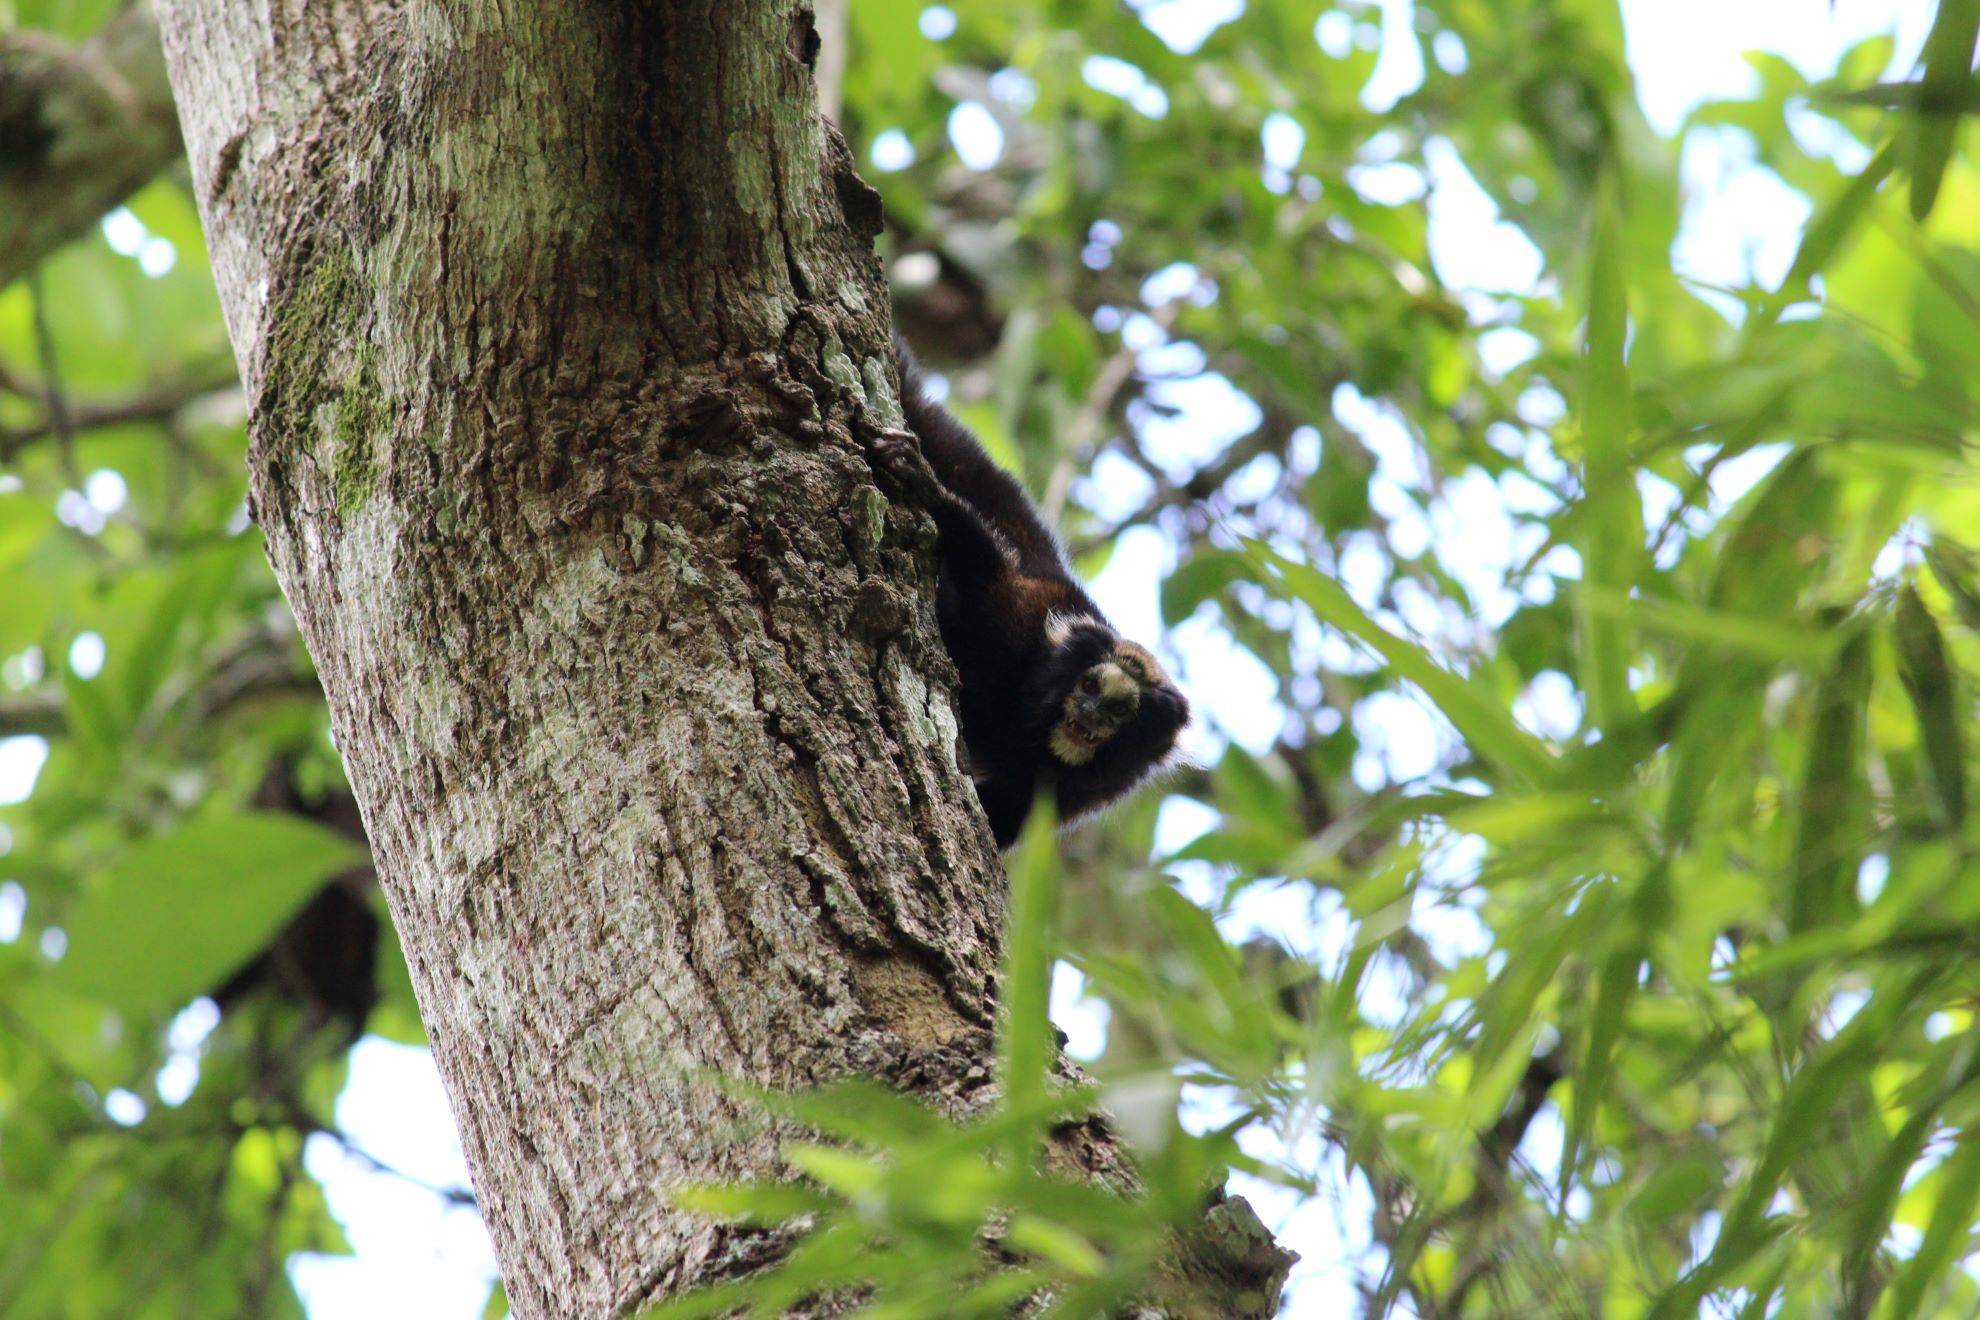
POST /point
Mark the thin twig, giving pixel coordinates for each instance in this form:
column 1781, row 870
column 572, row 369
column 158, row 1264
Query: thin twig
column 160, row 403
column 60, row 421
column 257, row 1288
column 453, row 1195
column 1083, row 432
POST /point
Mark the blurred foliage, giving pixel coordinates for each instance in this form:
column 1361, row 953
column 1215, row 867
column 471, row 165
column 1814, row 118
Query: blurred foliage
column 1577, row 915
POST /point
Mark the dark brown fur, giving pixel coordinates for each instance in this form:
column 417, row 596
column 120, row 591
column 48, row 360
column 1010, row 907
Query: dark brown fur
column 1052, row 697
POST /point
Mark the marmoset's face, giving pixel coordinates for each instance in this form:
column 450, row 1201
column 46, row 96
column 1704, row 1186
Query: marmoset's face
column 1104, row 699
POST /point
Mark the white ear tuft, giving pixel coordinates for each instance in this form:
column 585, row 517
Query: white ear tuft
column 1058, row 628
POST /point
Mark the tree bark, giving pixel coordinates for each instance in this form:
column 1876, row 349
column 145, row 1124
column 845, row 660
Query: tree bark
column 554, row 321
column 81, row 129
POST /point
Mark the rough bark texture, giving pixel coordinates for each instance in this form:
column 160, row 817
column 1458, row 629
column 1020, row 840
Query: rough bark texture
column 553, row 320
column 81, row 128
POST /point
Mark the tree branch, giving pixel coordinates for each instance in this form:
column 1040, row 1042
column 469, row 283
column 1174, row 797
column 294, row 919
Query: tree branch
column 157, row 403
column 81, row 128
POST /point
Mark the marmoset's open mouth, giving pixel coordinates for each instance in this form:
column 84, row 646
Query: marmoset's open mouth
column 1081, row 734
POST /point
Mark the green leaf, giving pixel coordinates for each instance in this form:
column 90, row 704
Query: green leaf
column 1953, row 567
column 92, row 719
column 1873, row 1202
column 1611, row 520
column 1055, row 1243
column 1912, row 96
column 1247, row 789
column 1947, row 1234
column 1831, row 808
column 1799, row 1124
column 1616, row 984
column 721, row 1299
column 1674, row 1189
column 1198, row 580
column 1761, row 570
column 857, row 1110
column 1929, row 680
column 1759, row 637
column 1483, row 721
column 843, row 1171
column 1828, row 231
column 182, row 601
column 181, row 909
column 1948, row 59
column 1507, row 1015
column 756, row 1203
column 1246, row 1022
column 1027, row 1046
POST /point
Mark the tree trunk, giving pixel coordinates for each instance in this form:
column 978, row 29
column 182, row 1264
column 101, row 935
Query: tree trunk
column 554, row 320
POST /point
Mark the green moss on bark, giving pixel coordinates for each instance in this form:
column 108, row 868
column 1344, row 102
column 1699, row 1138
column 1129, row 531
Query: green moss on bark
column 360, row 417
column 320, row 380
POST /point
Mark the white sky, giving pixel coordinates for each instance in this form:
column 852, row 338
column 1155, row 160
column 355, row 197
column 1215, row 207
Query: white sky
column 416, row 1256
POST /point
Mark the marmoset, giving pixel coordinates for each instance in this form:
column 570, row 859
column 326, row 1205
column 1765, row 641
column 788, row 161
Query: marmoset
column 1052, row 697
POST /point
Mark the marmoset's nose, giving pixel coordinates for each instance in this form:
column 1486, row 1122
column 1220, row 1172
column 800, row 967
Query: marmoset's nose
column 1108, row 711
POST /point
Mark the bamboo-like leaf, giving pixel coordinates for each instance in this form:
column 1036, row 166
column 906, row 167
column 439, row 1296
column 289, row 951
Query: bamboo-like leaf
column 720, row 1299
column 1763, row 563
column 843, row 1171
column 1027, row 1048
column 1247, row 789
column 1873, row 1203
column 1761, row 1304
column 1507, row 1012
column 1829, row 834
column 1196, row 936
column 857, row 1111
column 1953, row 567
column 757, row 1203
column 1249, row 1021
column 1912, row 96
column 1612, row 522
column 1762, row 638
column 1673, row 1190
column 1482, row 720
column 1828, row 230
column 1056, row 1243
column 1928, row 678
column 836, row 1256
column 1952, row 1222
column 1196, row 581
column 1948, row 59
column 1615, row 986
column 1761, row 571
